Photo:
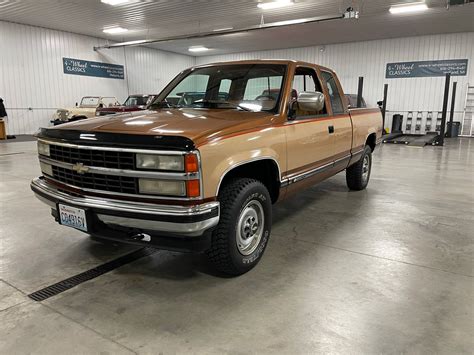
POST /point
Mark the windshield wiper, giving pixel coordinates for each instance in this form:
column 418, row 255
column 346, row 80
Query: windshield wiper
column 219, row 102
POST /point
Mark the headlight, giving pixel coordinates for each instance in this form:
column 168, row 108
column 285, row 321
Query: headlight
column 46, row 169
column 162, row 187
column 43, row 148
column 97, row 113
column 160, row 162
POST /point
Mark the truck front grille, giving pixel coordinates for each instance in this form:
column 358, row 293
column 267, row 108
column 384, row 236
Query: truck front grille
column 62, row 114
column 99, row 158
column 112, row 183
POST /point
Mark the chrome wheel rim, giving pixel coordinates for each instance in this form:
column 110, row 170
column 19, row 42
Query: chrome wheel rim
column 250, row 227
column 365, row 168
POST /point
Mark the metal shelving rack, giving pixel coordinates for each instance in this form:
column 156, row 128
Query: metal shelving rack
column 467, row 128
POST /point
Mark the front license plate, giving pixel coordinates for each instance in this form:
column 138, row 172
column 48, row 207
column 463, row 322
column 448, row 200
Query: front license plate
column 72, row 217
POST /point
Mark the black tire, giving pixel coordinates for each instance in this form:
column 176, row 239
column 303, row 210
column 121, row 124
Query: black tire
column 357, row 177
column 237, row 199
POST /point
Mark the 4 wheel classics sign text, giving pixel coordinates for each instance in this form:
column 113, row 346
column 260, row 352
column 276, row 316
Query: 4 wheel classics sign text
column 88, row 68
column 456, row 67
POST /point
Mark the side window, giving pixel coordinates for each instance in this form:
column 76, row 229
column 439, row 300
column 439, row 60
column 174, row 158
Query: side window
column 334, row 95
column 305, row 80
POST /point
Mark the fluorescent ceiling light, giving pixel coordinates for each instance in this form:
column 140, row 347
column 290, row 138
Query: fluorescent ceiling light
column 198, row 49
column 138, row 41
column 114, row 30
column 115, row 2
column 223, row 29
column 407, row 8
column 289, row 22
column 265, row 5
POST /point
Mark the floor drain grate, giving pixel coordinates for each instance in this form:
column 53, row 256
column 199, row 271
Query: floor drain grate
column 73, row 281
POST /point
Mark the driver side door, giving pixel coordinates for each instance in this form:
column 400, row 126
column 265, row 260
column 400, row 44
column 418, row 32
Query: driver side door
column 310, row 142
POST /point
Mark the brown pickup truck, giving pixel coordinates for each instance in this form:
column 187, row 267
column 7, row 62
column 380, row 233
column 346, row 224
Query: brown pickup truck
column 200, row 169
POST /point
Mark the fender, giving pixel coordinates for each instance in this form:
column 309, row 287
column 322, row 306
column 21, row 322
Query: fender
column 221, row 156
column 236, row 165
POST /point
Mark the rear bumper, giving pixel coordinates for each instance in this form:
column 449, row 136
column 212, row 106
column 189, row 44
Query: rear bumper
column 166, row 226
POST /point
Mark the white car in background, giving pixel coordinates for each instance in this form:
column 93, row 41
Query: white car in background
column 86, row 109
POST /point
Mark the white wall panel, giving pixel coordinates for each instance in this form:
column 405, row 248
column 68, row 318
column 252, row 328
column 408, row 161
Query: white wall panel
column 31, row 72
column 369, row 59
column 150, row 70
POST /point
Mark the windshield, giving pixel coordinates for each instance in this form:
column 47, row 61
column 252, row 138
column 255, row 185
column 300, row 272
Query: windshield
column 136, row 100
column 249, row 87
column 89, row 101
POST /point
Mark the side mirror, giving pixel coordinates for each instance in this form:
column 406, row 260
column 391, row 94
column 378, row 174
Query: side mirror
column 311, row 101
column 77, row 104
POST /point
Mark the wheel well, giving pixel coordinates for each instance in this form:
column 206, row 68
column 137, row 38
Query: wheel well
column 266, row 171
column 371, row 141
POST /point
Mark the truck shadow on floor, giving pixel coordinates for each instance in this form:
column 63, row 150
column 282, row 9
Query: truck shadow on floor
column 312, row 202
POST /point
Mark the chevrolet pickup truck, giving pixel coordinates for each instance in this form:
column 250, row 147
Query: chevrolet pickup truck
column 202, row 174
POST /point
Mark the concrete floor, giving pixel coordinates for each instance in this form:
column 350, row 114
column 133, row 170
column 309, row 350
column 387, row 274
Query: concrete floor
column 386, row 270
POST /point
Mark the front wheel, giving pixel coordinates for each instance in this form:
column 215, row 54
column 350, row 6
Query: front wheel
column 358, row 174
column 240, row 238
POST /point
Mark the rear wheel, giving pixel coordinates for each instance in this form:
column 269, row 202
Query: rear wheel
column 358, row 174
column 240, row 238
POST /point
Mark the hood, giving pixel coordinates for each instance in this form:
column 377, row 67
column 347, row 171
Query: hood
column 196, row 124
column 79, row 110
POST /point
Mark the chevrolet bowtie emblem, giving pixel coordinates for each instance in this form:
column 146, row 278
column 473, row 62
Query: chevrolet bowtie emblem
column 80, row 168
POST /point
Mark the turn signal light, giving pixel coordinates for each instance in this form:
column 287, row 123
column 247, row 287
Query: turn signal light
column 192, row 188
column 191, row 163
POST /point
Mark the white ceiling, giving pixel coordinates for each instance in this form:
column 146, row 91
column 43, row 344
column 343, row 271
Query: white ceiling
column 164, row 18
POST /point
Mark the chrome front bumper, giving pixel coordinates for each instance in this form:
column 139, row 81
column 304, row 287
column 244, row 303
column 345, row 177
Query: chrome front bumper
column 188, row 221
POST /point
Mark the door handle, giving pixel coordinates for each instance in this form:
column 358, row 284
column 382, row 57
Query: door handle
column 331, row 129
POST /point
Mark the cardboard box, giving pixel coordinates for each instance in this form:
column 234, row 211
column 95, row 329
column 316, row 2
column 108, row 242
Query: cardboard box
column 3, row 133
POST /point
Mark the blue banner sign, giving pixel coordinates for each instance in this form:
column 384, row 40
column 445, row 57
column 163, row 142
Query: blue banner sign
column 88, row 68
column 456, row 67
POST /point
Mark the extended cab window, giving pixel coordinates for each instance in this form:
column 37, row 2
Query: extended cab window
column 334, row 95
column 305, row 80
column 247, row 87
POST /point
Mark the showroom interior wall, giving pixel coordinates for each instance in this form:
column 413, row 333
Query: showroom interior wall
column 36, row 54
column 369, row 59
